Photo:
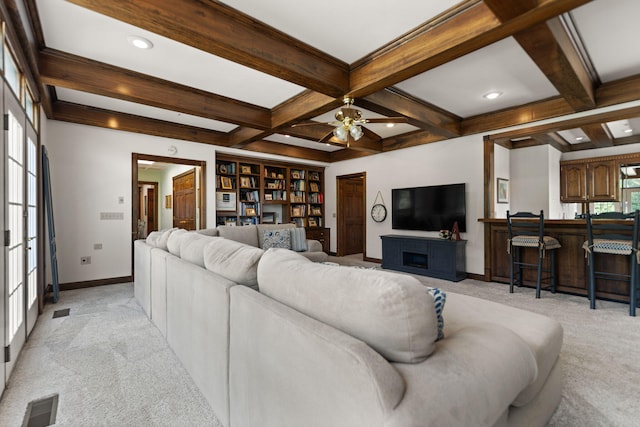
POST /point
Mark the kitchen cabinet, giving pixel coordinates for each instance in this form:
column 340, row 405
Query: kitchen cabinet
column 589, row 180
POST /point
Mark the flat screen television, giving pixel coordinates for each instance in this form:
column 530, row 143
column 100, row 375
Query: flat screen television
column 431, row 208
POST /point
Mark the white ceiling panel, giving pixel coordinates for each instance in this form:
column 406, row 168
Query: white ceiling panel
column 104, row 39
column 574, row 136
column 459, row 85
column 624, row 128
column 345, row 31
column 121, row 106
column 610, row 32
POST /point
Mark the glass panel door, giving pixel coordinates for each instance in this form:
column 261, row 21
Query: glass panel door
column 15, row 214
column 31, row 254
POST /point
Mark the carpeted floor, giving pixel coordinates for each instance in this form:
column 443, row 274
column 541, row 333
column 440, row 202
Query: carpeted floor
column 111, row 366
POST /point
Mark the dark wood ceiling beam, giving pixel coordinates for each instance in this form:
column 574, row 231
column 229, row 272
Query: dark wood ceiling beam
column 74, row 113
column 269, row 147
column 578, row 122
column 304, row 106
column 553, row 140
column 393, row 102
column 223, row 31
column 342, row 155
column 435, row 44
column 73, row 72
column 241, row 136
column 619, row 91
column 598, row 134
column 612, row 93
column 411, row 139
column 551, row 48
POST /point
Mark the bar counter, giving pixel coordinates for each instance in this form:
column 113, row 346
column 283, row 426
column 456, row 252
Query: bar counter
column 571, row 264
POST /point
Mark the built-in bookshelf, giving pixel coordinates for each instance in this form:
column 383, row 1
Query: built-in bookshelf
column 251, row 191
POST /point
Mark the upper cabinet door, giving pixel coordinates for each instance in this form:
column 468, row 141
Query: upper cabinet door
column 602, row 181
column 573, row 183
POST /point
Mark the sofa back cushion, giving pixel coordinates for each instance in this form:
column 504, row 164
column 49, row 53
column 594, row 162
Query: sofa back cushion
column 192, row 247
column 208, row 231
column 391, row 312
column 246, row 234
column 158, row 239
column 173, row 243
column 268, row 227
column 233, row 260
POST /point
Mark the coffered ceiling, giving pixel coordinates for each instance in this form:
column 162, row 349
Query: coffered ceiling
column 240, row 73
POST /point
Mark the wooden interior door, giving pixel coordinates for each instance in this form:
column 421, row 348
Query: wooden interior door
column 152, row 210
column 184, row 200
column 351, row 215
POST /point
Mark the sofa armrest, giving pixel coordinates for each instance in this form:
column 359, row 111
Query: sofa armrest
column 285, row 366
column 314, row 245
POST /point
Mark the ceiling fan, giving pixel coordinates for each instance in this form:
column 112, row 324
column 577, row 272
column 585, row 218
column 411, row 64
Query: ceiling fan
column 349, row 121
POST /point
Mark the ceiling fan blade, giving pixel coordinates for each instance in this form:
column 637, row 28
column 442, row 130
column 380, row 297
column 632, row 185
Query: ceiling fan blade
column 387, row 120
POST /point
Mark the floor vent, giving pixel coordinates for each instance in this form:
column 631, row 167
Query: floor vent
column 61, row 313
column 41, row 412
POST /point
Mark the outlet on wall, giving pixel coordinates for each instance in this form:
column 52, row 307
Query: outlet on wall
column 85, row 260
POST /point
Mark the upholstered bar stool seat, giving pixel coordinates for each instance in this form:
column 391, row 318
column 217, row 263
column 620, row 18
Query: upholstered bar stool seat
column 616, row 238
column 526, row 230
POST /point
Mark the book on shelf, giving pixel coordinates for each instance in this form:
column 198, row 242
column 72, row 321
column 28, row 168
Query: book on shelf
column 313, row 186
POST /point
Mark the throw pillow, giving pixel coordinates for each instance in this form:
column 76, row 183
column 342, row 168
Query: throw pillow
column 277, row 239
column 439, row 298
column 298, row 239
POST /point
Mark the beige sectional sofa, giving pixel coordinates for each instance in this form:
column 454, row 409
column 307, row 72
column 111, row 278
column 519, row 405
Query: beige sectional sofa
column 274, row 339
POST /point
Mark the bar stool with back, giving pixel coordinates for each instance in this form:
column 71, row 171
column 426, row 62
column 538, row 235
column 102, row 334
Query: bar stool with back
column 526, row 230
column 620, row 238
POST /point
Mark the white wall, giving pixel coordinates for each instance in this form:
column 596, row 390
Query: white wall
column 447, row 162
column 90, row 171
column 529, row 179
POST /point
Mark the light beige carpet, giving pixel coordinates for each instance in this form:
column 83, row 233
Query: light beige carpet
column 109, row 364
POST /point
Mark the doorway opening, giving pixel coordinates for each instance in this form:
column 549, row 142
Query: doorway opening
column 351, row 221
column 152, row 176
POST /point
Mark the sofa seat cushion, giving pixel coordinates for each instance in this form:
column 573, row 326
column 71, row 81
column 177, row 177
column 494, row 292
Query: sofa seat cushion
column 233, row 260
column 192, row 247
column 542, row 334
column 390, row 312
column 269, row 227
column 246, row 234
column 470, row 380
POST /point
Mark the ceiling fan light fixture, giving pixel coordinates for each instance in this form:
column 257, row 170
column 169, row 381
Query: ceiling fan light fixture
column 356, row 132
column 340, row 132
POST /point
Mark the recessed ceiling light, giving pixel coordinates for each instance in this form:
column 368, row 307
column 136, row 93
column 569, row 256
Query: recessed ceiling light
column 628, row 130
column 390, row 125
column 579, row 138
column 287, row 136
column 492, row 95
column 140, row 42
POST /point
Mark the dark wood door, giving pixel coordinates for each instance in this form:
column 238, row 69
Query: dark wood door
column 351, row 215
column 573, row 183
column 152, row 210
column 184, row 200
